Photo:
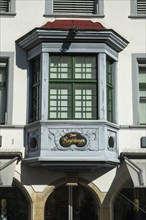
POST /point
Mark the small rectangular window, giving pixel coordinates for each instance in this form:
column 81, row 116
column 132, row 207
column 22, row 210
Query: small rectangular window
column 138, row 8
column 74, row 7
column 141, row 7
column 4, row 5
column 3, row 90
column 142, row 92
column 7, row 7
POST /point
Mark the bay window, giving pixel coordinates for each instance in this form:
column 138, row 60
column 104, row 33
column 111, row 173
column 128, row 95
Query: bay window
column 72, row 87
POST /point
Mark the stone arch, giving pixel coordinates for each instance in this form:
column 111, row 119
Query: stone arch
column 90, row 186
column 84, row 184
column 15, row 201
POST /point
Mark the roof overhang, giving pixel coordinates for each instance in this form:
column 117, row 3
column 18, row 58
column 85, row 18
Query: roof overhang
column 93, row 33
column 8, row 161
column 136, row 166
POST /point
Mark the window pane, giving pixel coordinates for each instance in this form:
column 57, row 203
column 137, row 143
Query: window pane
column 85, row 67
column 142, row 112
column 60, row 67
column 73, row 88
column 60, row 101
column 85, row 101
column 142, row 74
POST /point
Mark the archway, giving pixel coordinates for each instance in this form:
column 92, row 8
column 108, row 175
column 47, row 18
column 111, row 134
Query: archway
column 130, row 203
column 13, row 203
column 71, row 203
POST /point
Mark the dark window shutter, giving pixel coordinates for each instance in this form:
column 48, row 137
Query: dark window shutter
column 141, row 7
column 4, row 5
column 74, row 6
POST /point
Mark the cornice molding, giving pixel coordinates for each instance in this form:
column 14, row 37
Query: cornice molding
column 39, row 35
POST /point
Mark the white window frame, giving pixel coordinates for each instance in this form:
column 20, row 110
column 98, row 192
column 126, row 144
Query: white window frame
column 9, row 57
column 49, row 10
column 11, row 10
column 135, row 85
column 133, row 7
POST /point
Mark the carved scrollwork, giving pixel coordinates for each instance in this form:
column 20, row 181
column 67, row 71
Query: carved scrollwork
column 74, row 139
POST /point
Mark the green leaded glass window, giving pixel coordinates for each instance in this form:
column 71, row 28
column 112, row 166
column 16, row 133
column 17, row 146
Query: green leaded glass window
column 35, row 90
column 142, row 93
column 109, row 91
column 73, row 87
column 3, row 75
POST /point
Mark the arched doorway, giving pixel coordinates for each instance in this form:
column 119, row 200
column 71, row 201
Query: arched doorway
column 71, row 203
column 130, row 204
column 13, row 204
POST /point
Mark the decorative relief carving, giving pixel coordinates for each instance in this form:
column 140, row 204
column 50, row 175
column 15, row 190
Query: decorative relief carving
column 33, row 140
column 112, row 140
column 73, row 139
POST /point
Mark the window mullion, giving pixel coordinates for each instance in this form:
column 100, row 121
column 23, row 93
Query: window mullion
column 102, row 94
column 73, row 87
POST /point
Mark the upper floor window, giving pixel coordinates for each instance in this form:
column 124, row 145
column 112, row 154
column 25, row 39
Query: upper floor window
column 72, row 87
column 141, row 7
column 139, row 88
column 142, row 91
column 75, row 7
column 3, row 80
column 6, row 87
column 72, row 74
column 138, row 8
column 7, row 7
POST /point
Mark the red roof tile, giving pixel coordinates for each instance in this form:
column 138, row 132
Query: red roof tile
column 69, row 24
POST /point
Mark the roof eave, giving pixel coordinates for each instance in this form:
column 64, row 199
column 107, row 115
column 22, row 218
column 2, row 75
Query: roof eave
column 40, row 35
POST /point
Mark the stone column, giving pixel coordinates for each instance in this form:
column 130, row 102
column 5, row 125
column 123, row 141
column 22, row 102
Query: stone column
column 38, row 207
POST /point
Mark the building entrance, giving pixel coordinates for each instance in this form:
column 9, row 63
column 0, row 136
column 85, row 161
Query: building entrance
column 130, row 204
column 71, row 203
column 13, row 204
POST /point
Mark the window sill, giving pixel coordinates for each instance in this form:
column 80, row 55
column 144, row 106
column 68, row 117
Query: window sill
column 137, row 16
column 4, row 126
column 7, row 14
column 132, row 126
column 73, row 16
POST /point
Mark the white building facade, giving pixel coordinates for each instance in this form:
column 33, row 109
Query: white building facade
column 73, row 109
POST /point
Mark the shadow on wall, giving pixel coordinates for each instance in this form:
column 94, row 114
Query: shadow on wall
column 21, row 58
column 38, row 175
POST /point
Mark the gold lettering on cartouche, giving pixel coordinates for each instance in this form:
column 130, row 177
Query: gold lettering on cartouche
column 73, row 138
